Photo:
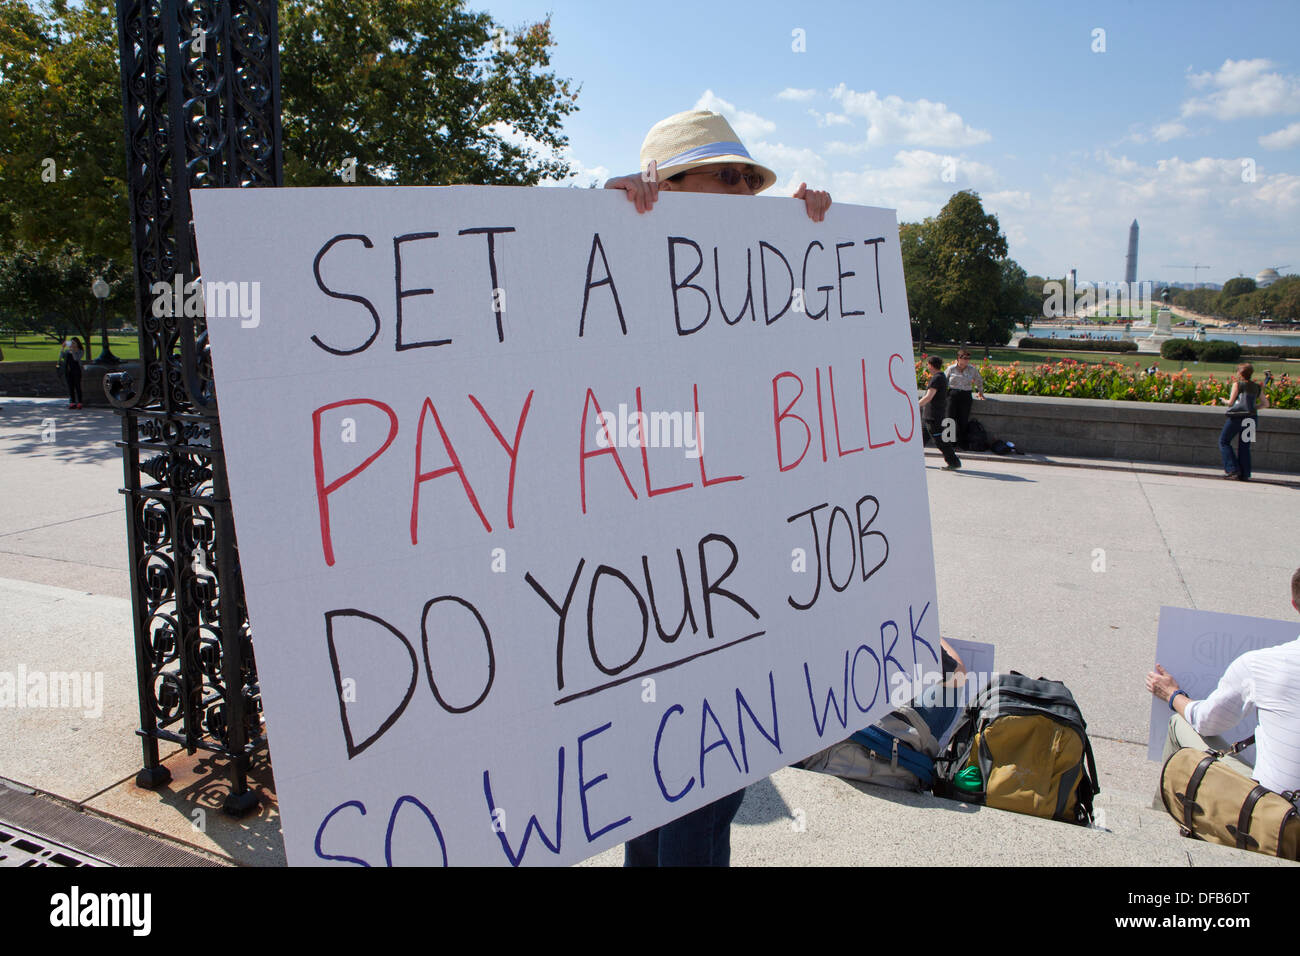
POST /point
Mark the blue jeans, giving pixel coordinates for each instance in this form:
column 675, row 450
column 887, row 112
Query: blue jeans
column 1233, row 426
column 701, row 838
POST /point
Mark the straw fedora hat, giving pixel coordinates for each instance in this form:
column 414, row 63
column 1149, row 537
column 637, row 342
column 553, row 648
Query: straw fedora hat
column 696, row 138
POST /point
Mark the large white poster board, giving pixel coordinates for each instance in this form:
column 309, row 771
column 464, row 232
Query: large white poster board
column 491, row 624
column 1196, row 647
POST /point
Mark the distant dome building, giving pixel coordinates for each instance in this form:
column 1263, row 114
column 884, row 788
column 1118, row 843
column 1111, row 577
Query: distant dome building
column 1266, row 278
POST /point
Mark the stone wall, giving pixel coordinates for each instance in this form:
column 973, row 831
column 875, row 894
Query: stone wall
column 1138, row 431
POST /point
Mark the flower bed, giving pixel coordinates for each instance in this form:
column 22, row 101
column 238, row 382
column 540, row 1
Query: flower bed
column 1114, row 381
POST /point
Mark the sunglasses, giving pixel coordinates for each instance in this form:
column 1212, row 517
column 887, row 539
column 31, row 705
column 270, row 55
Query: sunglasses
column 730, row 177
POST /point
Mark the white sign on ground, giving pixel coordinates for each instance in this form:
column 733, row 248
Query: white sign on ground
column 1196, row 647
column 556, row 521
column 976, row 656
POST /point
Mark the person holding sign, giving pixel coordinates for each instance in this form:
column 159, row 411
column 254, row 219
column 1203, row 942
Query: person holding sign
column 1267, row 680
column 698, row 152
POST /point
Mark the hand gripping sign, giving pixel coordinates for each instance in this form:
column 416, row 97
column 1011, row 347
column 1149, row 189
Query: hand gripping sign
column 556, row 522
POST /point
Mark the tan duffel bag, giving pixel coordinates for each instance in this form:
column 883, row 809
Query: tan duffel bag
column 1212, row 802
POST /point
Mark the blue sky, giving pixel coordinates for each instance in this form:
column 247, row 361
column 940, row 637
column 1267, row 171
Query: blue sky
column 1188, row 120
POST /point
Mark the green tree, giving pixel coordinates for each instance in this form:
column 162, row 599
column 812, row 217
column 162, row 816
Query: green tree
column 954, row 272
column 1235, row 287
column 914, row 239
column 1034, row 297
column 1288, row 298
column 968, row 247
column 1016, row 302
column 1203, row 301
column 49, row 292
column 62, row 158
column 417, row 91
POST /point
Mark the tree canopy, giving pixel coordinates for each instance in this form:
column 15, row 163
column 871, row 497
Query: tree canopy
column 417, row 91
column 1241, row 300
column 400, row 91
column 959, row 281
column 62, row 157
column 49, row 292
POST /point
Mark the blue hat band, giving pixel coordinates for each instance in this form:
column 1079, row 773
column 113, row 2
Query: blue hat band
column 706, row 152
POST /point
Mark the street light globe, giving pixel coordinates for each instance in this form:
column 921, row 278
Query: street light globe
column 100, row 289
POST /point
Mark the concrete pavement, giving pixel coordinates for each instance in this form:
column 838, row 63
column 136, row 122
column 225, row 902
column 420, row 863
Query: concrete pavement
column 1016, row 547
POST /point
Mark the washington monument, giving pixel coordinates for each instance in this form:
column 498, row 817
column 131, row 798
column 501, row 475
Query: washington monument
column 1131, row 260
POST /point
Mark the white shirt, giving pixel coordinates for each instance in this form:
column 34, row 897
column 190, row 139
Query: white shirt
column 967, row 380
column 1267, row 680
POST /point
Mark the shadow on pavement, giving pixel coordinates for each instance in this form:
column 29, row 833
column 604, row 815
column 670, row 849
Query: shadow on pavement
column 994, row 475
column 763, row 804
column 191, row 809
column 74, row 436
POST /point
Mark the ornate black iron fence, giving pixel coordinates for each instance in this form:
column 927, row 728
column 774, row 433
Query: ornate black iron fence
column 201, row 101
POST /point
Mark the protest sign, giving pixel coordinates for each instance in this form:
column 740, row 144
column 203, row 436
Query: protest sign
column 557, row 522
column 1196, row 647
column 977, row 658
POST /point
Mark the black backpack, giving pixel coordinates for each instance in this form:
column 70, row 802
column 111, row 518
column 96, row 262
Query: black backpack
column 977, row 438
column 1030, row 744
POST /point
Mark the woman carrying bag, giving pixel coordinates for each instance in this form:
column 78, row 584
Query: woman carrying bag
column 1243, row 404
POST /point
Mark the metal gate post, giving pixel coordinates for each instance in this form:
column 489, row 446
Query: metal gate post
column 201, row 107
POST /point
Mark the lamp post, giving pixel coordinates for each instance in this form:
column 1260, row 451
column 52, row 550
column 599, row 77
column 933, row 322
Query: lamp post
column 100, row 290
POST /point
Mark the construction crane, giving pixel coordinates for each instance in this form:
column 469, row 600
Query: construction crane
column 1195, row 270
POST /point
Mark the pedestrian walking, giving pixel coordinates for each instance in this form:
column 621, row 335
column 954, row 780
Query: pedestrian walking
column 70, row 366
column 934, row 406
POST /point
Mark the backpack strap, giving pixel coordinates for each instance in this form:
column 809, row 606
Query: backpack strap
column 1188, row 799
column 1242, row 830
column 1240, row 745
column 1287, row 817
column 1089, row 786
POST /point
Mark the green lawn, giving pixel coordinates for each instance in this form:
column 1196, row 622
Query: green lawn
column 40, row 348
column 1220, row 370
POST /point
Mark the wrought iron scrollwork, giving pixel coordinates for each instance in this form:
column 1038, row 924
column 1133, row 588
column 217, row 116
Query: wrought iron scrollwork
column 201, row 105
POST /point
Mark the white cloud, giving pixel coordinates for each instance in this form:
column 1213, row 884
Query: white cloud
column 1007, row 199
column 1164, row 132
column 797, row 164
column 840, row 148
column 914, row 183
column 1283, row 138
column 799, row 96
column 912, row 123
column 1122, row 164
column 1242, row 88
column 1191, row 210
column 748, row 126
column 1281, row 190
column 830, row 119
